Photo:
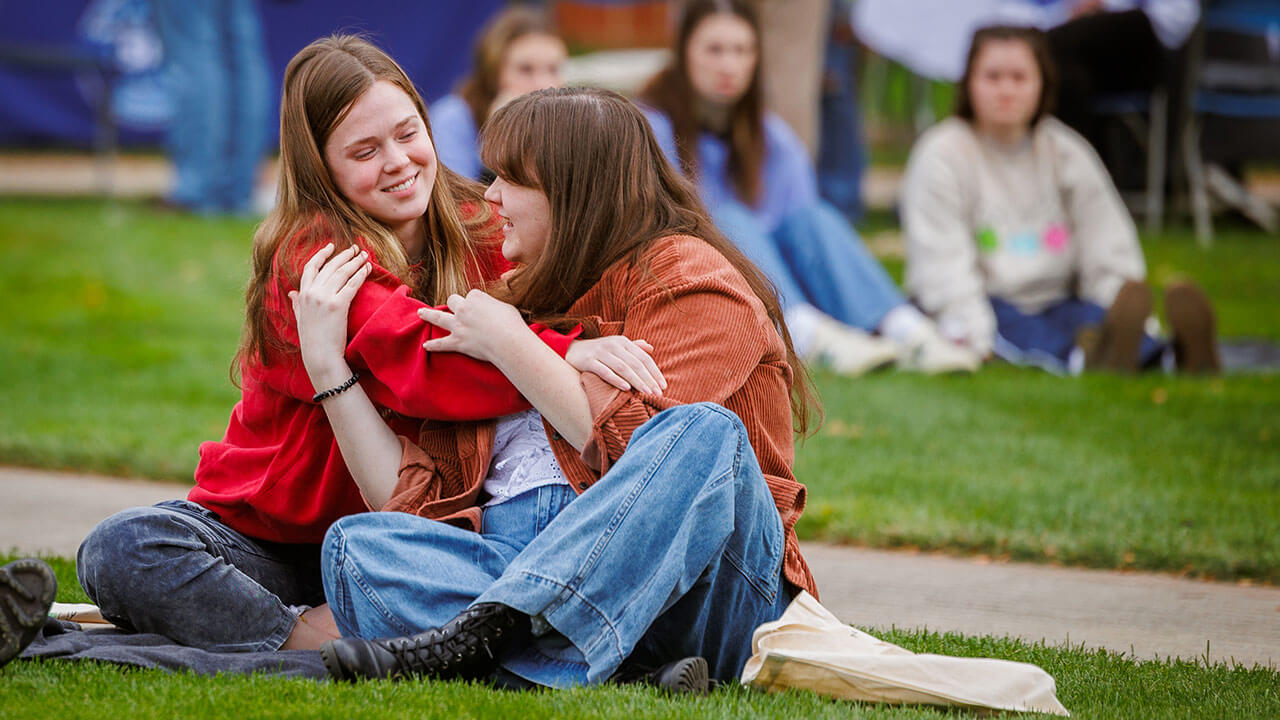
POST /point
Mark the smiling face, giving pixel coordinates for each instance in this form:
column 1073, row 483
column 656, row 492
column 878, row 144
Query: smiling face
column 382, row 161
column 531, row 62
column 1005, row 87
column 527, row 213
column 721, row 57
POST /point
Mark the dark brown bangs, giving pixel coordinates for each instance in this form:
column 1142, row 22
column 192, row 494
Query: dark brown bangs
column 505, row 142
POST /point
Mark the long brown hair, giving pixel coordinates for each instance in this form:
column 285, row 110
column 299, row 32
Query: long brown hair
column 612, row 194
column 1037, row 41
column 671, row 92
column 320, row 84
column 480, row 88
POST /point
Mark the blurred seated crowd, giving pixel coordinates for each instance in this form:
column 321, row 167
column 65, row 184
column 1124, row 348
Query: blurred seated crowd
column 1018, row 245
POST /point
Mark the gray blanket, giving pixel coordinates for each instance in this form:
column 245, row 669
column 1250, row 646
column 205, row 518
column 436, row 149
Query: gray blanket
column 62, row 640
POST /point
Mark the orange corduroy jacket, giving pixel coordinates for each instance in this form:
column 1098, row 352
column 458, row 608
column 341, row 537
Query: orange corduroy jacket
column 713, row 341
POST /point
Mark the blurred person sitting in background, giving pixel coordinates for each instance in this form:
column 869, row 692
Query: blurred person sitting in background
column 756, row 177
column 517, row 52
column 1017, row 241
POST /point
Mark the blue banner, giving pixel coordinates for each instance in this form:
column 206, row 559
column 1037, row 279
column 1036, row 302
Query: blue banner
column 48, row 91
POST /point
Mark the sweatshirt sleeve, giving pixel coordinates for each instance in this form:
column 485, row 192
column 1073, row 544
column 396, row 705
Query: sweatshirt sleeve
column 1100, row 223
column 385, row 337
column 709, row 334
column 942, row 270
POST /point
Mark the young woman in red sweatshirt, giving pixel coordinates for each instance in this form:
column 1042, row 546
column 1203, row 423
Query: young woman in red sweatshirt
column 233, row 567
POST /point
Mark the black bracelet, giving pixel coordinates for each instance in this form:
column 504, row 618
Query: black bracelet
column 341, row 388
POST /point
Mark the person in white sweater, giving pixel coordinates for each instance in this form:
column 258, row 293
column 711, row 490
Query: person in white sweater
column 1018, row 243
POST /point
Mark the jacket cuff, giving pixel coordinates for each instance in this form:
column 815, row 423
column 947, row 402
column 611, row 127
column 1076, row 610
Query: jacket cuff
column 415, row 480
column 600, row 395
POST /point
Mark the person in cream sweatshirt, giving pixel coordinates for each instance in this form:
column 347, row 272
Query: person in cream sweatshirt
column 1017, row 242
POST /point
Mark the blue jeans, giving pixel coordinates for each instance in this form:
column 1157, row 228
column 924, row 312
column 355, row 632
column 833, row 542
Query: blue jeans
column 222, row 105
column 815, row 256
column 174, row 569
column 676, row 551
column 1046, row 339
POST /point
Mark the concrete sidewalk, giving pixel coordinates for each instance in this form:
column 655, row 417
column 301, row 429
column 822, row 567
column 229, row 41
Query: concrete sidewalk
column 1147, row 614
column 150, row 175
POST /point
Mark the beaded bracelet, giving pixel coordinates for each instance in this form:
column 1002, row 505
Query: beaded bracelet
column 355, row 375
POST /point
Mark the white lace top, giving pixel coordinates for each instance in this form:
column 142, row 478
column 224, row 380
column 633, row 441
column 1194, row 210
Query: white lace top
column 522, row 458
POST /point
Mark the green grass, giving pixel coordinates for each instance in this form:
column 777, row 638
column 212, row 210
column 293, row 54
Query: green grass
column 1090, row 683
column 122, row 323
column 118, row 341
column 1096, row 685
column 1152, row 472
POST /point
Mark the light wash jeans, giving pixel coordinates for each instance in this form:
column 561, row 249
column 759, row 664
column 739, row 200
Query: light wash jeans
column 174, row 569
column 815, row 256
column 223, row 109
column 676, row 551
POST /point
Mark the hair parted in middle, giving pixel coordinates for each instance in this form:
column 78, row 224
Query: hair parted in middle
column 321, row 83
column 671, row 91
column 612, row 193
column 480, row 87
column 1036, row 41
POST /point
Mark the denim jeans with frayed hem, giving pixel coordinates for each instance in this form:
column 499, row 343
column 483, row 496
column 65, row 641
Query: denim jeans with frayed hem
column 174, row 569
column 676, row 551
column 815, row 256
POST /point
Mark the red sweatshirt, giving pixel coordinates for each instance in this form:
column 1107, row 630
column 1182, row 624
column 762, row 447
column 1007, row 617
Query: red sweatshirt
column 277, row 474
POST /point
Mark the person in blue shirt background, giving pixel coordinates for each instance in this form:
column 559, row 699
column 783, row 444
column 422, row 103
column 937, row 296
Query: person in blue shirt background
column 757, row 179
column 517, row 52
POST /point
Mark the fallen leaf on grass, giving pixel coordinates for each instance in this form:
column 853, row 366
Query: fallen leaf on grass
column 840, row 428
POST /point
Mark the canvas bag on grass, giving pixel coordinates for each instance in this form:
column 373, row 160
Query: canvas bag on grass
column 808, row 648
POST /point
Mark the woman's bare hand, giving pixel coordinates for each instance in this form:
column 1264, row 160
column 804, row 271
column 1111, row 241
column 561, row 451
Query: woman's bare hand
column 479, row 325
column 328, row 284
column 619, row 361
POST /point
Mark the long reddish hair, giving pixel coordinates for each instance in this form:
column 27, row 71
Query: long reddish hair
column 612, row 194
column 672, row 92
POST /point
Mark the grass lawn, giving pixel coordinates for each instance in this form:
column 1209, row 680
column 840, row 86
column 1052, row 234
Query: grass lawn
column 1092, row 684
column 122, row 323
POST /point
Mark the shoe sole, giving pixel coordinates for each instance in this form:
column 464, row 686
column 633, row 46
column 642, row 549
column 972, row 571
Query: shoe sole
column 24, row 606
column 1191, row 321
column 1122, row 328
column 689, row 675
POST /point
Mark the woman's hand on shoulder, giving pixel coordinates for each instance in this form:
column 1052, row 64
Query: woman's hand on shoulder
column 329, row 282
column 479, row 325
column 619, row 361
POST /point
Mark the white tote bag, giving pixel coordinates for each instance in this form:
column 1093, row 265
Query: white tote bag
column 808, row 648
